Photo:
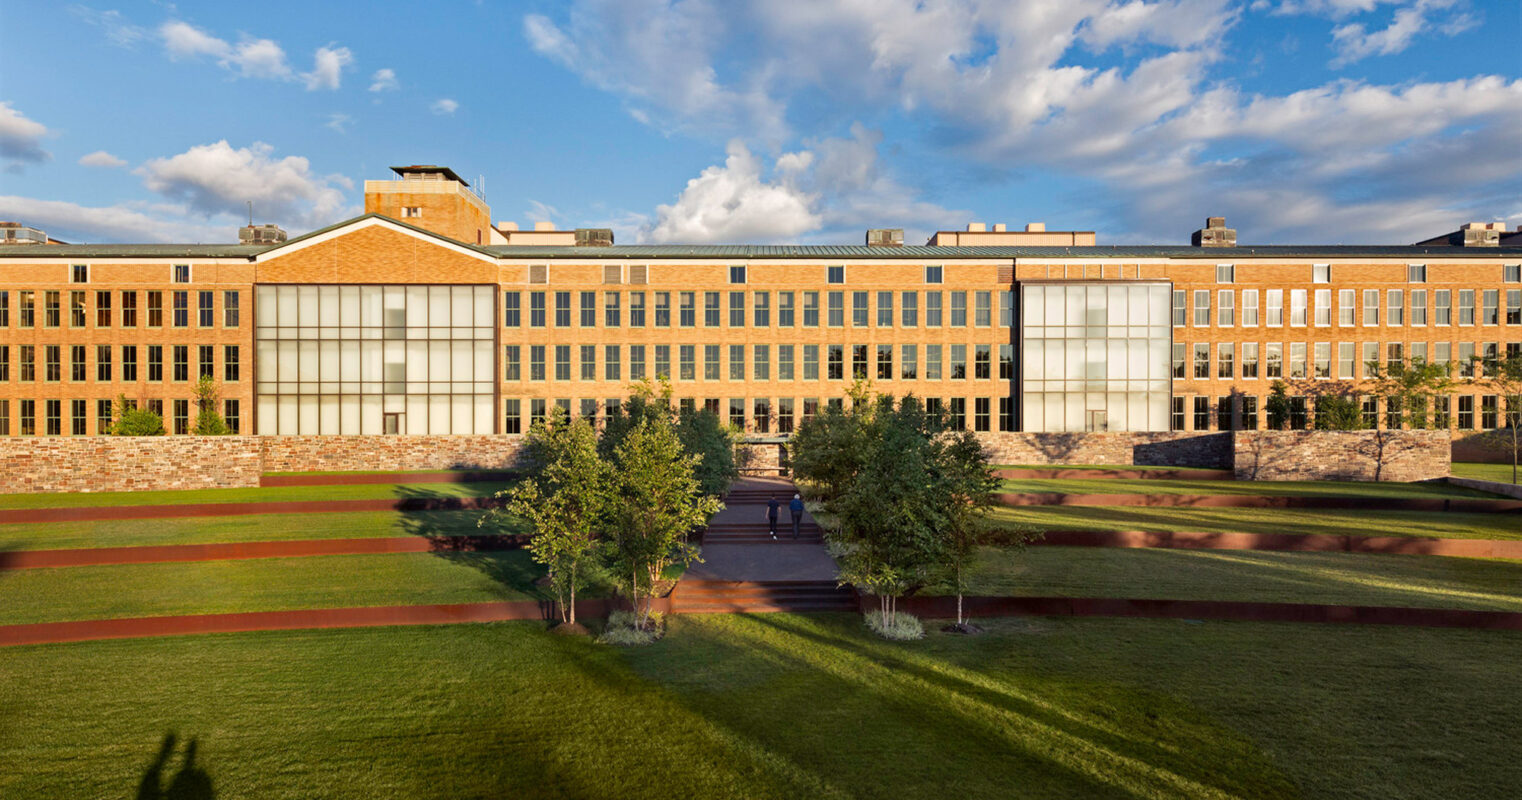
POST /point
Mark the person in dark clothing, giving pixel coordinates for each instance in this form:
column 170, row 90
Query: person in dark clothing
column 771, row 515
column 795, row 509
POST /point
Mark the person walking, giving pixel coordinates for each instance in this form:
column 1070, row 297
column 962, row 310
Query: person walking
column 795, row 509
column 771, row 515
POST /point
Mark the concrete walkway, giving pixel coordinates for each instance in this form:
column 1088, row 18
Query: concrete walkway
column 782, row 560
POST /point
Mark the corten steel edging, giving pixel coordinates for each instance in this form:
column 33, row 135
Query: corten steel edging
column 1457, row 504
column 440, row 476
column 231, row 551
column 1060, row 473
column 1225, row 610
column 99, row 513
column 1307, row 542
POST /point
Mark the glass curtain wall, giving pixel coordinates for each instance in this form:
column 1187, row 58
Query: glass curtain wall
column 375, row 359
column 1095, row 356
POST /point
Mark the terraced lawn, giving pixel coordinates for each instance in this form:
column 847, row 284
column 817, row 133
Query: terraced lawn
column 1274, row 488
column 773, row 706
column 1334, row 522
column 1249, row 575
column 275, row 584
column 251, row 528
column 263, row 494
column 1501, row 473
column 1103, row 467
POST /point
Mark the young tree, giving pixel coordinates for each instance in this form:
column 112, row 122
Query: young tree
column 826, row 449
column 965, row 484
column 562, row 504
column 208, row 421
column 1338, row 412
column 1504, row 378
column 704, row 434
column 1410, row 386
column 654, row 504
column 648, row 400
column 1277, row 406
column 133, row 421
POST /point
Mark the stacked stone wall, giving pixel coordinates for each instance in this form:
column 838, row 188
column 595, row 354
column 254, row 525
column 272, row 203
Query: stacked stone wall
column 1167, row 449
column 1383, row 455
column 388, row 453
column 126, row 463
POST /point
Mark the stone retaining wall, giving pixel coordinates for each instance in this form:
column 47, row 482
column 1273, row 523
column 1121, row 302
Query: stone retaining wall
column 1166, row 449
column 391, row 453
column 1341, row 455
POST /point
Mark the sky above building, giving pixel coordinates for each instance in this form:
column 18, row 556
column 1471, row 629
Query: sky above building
column 1301, row 121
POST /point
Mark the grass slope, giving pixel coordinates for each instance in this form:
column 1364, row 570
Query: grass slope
column 774, row 706
column 1501, row 473
column 1335, row 522
column 262, row 494
column 1274, row 488
column 1332, row 578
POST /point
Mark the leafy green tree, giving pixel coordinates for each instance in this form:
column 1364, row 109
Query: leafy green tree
column 704, row 434
column 648, row 400
column 826, row 449
column 1277, row 406
column 655, row 503
column 562, row 504
column 1338, row 412
column 964, row 483
column 1409, row 388
column 1504, row 378
column 208, row 421
column 133, row 421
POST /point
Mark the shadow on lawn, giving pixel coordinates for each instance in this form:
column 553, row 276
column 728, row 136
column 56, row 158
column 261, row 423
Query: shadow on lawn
column 190, row 782
column 455, row 537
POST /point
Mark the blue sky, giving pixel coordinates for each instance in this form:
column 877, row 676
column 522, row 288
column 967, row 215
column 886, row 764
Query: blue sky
column 1326, row 121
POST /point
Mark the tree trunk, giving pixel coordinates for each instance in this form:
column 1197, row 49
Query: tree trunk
column 571, row 618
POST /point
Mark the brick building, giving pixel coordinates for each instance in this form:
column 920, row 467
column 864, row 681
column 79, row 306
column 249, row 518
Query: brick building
column 424, row 317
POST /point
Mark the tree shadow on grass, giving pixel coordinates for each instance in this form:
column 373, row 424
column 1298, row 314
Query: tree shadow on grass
column 190, row 782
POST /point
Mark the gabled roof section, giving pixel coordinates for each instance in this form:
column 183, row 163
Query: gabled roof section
column 365, row 221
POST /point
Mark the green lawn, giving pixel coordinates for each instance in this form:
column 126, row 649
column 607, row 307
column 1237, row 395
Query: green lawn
column 1250, row 575
column 1485, row 472
column 774, row 706
column 249, row 528
column 1128, row 467
column 272, row 584
column 1275, row 488
column 1332, row 521
column 269, row 494
column 385, row 471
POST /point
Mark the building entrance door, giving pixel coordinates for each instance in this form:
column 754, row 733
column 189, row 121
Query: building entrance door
column 391, row 423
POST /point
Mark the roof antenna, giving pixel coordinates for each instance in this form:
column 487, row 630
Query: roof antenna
column 250, row 213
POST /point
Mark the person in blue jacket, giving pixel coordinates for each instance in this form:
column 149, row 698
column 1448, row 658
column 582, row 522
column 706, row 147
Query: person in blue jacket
column 771, row 515
column 795, row 508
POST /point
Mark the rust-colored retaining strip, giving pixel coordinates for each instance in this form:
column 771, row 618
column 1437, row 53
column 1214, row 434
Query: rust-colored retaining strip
column 1061, row 473
column 229, row 551
column 361, row 617
column 942, row 607
column 1309, row 542
column 354, row 479
column 1464, row 504
column 98, row 513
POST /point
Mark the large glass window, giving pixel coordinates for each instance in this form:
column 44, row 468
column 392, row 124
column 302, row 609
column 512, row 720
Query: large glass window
column 367, row 359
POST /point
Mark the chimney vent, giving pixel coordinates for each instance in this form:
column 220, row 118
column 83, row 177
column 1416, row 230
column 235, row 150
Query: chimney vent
column 1482, row 234
column 1214, row 234
column 999, row 227
column 594, row 237
column 885, row 237
column 1035, row 227
column 976, row 227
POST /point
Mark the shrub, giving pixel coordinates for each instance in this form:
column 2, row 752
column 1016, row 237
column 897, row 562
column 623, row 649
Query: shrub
column 900, row 627
column 625, row 629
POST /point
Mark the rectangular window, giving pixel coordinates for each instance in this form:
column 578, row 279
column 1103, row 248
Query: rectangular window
column 5, row 309
column 982, row 315
column 562, row 309
column 78, row 369
column 1466, row 412
column 230, row 310
column 837, row 312
column 26, row 309
column 1416, row 273
column 1466, row 306
column 810, row 309
column 103, row 309
column 1249, row 308
column 1273, row 358
column 1006, row 413
column 51, row 354
column 1006, row 362
column 1321, row 273
column 79, row 417
column 933, row 275
column 1179, row 310
column 688, row 310
column 982, row 368
column 205, row 314
column 512, row 312
column 1297, row 355
column 536, row 410
column 181, row 309
column 859, row 362
column 512, row 363
column 1223, row 412
column 957, row 415
column 5, row 363
column 712, row 314
column 1443, row 310
column 102, row 417
column 1201, row 308
column 562, row 362
column 1418, row 306
column 536, row 309
column 761, row 309
column 1346, row 358
column 181, row 363
column 958, row 309
column 1394, row 354
column 1514, row 306
column 885, row 309
column 784, row 415
column 859, row 309
column 687, row 365
column 1489, row 412
column 636, row 362
column 1006, row 309
column 1370, row 307
column 1225, row 273
column 27, row 358
column 612, row 309
column 1176, row 417
column 181, row 417
column 1225, row 360
column 663, row 361
column 1201, row 360
column 784, row 362
column 637, row 310
column 761, row 362
column 932, row 309
column 959, row 362
column 1226, row 308
column 612, row 363
column 662, row 309
column 1323, row 300
column 182, row 273
column 205, row 359
column 1395, row 307
column 589, row 362
column 980, row 407
column 1511, row 273
column 1346, row 313
column 1323, row 357
column 737, row 362
column 1249, row 360
column 28, row 424
column 786, row 317
column 1275, row 306
column 79, row 273
column 736, row 309
column 1370, row 358
column 811, row 362
column 1297, row 308
column 835, row 367
column 908, row 362
column 231, row 415
column 737, row 274
column 1202, row 413
column 1491, row 299
column 932, row 362
column 737, row 412
column 1250, row 412
column 50, row 309
column 129, row 363
column 76, row 309
column 1180, row 355
column 536, row 367
column 1466, row 359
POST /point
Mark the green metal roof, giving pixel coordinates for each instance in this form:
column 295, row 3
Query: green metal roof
column 132, row 250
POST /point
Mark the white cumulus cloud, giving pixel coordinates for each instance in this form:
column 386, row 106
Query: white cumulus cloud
column 21, row 137
column 734, row 203
column 444, row 106
column 251, row 58
column 218, row 178
column 327, row 67
column 101, row 158
column 72, row 222
column 384, row 80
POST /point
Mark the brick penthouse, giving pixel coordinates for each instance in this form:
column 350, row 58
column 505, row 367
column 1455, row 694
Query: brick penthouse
column 423, row 317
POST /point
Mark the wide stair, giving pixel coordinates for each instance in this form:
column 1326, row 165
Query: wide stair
column 730, row 597
column 746, row 523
